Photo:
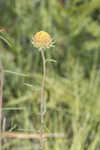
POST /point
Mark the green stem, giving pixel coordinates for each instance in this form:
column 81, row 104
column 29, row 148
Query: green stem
column 42, row 100
column 1, row 94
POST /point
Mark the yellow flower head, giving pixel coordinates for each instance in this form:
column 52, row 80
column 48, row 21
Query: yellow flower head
column 42, row 40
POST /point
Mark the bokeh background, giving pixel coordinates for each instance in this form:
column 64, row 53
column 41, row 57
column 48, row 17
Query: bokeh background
column 72, row 93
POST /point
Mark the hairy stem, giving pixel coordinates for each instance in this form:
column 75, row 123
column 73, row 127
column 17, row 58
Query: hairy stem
column 42, row 100
column 1, row 94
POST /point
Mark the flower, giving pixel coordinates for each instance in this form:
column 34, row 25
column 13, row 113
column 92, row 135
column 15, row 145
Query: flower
column 42, row 40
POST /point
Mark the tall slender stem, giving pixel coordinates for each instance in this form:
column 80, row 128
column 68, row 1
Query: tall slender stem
column 42, row 100
column 1, row 94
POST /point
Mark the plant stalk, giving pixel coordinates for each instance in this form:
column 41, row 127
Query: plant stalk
column 1, row 95
column 42, row 100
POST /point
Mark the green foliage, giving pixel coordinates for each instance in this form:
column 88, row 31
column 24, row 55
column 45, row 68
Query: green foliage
column 72, row 99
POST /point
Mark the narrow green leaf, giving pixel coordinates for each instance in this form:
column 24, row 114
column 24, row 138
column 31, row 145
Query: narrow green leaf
column 5, row 40
column 51, row 60
column 17, row 73
column 36, row 87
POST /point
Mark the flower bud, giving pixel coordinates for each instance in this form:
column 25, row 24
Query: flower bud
column 42, row 40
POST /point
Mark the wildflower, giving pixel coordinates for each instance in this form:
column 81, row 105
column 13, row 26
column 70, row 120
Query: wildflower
column 42, row 40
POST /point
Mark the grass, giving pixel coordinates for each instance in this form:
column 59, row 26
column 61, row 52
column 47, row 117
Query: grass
column 72, row 99
column 74, row 111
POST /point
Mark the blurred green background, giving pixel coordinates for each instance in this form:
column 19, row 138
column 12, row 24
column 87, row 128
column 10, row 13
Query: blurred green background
column 72, row 93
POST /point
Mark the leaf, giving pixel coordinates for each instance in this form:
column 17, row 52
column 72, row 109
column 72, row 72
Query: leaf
column 5, row 40
column 36, row 87
column 51, row 60
column 17, row 73
column 12, row 108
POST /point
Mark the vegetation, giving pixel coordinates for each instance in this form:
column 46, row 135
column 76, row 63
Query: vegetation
column 72, row 97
